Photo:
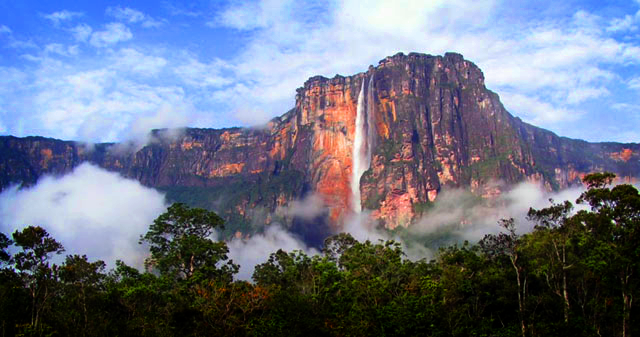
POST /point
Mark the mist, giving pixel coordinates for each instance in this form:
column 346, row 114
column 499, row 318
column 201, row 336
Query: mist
column 468, row 217
column 457, row 214
column 249, row 252
column 101, row 214
column 89, row 211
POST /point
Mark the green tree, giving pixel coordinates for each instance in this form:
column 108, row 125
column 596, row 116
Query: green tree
column 509, row 245
column 32, row 262
column 141, row 303
column 614, row 226
column 13, row 298
column 5, row 257
column 182, row 247
column 552, row 239
column 295, row 286
column 83, row 285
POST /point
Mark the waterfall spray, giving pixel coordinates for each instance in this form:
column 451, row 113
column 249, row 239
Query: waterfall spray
column 363, row 142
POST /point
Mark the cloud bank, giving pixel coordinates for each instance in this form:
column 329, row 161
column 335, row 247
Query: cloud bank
column 249, row 252
column 101, row 214
column 90, row 211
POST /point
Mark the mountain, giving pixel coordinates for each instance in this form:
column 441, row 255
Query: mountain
column 410, row 127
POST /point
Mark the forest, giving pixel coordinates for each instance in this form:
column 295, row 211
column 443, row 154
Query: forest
column 575, row 274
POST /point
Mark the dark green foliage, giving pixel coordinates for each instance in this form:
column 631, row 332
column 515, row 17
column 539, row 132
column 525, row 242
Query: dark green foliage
column 574, row 275
column 38, row 277
column 181, row 245
column 5, row 242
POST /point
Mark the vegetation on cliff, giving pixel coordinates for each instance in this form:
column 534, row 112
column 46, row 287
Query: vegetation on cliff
column 574, row 274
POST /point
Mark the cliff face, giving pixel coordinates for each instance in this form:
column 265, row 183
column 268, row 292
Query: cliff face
column 435, row 125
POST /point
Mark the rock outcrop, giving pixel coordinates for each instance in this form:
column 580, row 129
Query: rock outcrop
column 436, row 126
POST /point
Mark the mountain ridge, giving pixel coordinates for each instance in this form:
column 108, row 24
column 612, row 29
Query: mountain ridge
column 434, row 124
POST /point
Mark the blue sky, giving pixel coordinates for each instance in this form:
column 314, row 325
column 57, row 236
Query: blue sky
column 110, row 71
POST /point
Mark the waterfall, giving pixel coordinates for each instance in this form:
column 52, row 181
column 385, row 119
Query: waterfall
column 363, row 142
column 370, row 124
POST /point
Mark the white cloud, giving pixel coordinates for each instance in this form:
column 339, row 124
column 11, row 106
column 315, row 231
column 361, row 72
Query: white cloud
column 634, row 83
column 198, row 74
column 548, row 69
column 250, row 15
column 126, row 14
column 308, row 208
column 622, row 24
column 114, row 32
column 131, row 15
column 22, row 44
column 562, row 62
column 250, row 252
column 106, row 103
column 458, row 212
column 630, row 115
column 580, row 95
column 64, row 15
column 59, row 49
column 129, row 59
column 81, row 32
column 537, row 110
column 90, row 211
column 174, row 10
column 4, row 29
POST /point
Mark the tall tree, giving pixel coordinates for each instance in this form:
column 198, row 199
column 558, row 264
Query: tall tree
column 509, row 245
column 32, row 261
column 83, row 282
column 182, row 245
column 614, row 224
column 553, row 234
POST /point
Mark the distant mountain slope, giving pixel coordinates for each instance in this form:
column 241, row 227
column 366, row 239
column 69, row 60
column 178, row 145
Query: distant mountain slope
column 432, row 124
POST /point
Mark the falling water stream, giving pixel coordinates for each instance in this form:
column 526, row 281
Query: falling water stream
column 363, row 142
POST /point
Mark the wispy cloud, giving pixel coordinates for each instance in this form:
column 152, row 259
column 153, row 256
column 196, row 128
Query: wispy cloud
column 177, row 9
column 81, row 32
column 131, row 15
column 113, row 33
column 562, row 63
column 536, row 110
column 4, row 29
column 62, row 50
column 626, row 107
column 198, row 74
column 107, row 101
column 64, row 15
column 132, row 60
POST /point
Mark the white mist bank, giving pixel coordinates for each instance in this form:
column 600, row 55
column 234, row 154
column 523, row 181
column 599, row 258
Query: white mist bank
column 89, row 211
column 101, row 214
column 459, row 211
column 250, row 252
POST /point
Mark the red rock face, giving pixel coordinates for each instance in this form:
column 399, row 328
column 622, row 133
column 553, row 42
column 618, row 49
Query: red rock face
column 328, row 109
column 437, row 126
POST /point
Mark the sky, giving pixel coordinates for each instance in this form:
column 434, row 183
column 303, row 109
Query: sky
column 101, row 71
